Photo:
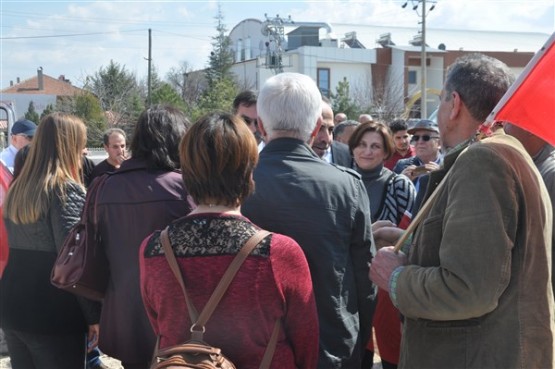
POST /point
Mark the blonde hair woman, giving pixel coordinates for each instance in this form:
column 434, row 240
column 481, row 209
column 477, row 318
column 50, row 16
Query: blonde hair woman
column 45, row 327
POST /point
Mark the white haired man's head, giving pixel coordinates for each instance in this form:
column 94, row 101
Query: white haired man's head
column 290, row 105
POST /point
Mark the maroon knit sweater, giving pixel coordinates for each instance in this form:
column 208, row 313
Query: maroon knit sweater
column 273, row 283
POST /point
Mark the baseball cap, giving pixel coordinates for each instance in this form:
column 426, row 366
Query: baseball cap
column 25, row 127
column 424, row 125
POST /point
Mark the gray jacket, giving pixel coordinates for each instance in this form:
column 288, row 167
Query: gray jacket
column 326, row 210
column 29, row 302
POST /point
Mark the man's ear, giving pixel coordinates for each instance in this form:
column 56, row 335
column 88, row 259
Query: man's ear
column 261, row 128
column 315, row 132
column 456, row 105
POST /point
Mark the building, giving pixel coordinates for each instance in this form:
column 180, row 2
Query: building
column 41, row 89
column 381, row 64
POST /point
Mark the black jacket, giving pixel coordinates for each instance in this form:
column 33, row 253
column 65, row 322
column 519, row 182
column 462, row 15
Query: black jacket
column 341, row 155
column 326, row 210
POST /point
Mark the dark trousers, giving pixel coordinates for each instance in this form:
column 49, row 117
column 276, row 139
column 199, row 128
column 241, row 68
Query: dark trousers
column 46, row 351
column 127, row 365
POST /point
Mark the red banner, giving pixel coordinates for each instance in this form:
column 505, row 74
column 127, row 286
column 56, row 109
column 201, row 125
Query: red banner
column 530, row 102
column 5, row 179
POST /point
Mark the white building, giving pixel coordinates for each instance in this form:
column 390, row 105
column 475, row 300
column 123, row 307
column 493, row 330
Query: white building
column 380, row 63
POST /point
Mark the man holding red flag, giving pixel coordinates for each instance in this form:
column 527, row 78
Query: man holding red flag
column 475, row 288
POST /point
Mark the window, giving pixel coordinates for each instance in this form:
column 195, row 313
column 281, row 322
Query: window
column 323, row 76
column 412, row 77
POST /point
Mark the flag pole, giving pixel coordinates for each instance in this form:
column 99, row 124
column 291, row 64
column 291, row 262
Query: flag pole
column 521, row 78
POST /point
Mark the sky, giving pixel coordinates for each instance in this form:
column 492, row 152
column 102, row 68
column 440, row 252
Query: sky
column 78, row 38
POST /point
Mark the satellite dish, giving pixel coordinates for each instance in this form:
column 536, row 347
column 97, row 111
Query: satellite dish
column 441, row 46
column 265, row 30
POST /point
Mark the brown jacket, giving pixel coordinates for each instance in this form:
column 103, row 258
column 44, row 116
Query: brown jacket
column 477, row 292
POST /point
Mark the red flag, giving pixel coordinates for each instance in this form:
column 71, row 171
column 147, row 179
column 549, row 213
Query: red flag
column 530, row 102
column 5, row 179
column 405, row 220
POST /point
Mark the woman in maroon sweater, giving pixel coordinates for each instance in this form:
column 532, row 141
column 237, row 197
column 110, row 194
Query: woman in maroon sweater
column 218, row 155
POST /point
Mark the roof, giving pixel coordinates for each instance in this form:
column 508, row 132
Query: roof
column 52, row 86
column 453, row 39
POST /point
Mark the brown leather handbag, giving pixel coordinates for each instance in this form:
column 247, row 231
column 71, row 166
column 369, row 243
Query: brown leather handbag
column 82, row 266
column 196, row 353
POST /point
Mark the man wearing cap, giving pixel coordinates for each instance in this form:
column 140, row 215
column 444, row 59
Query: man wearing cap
column 427, row 158
column 22, row 133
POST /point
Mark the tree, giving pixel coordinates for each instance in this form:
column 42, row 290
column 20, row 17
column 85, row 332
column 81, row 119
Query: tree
column 221, row 89
column 219, row 97
column 342, row 102
column 221, row 56
column 49, row 109
column 87, row 107
column 31, row 113
column 166, row 94
column 187, row 83
column 118, row 92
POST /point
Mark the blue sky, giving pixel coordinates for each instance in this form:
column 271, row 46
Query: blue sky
column 77, row 38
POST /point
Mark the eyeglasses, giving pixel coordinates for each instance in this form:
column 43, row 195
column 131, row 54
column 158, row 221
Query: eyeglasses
column 424, row 138
column 249, row 120
column 25, row 136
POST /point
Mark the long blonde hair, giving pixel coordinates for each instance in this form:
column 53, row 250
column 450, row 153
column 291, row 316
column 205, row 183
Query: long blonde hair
column 54, row 159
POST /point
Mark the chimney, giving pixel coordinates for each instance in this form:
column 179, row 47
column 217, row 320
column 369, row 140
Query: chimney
column 11, row 83
column 40, row 79
column 17, row 79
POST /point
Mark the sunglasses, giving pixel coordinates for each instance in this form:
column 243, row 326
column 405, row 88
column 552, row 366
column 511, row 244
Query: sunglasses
column 424, row 138
column 249, row 121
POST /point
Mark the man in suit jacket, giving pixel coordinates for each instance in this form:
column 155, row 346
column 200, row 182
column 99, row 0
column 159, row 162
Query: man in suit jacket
column 324, row 208
column 324, row 145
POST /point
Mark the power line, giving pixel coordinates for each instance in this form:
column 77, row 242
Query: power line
column 70, row 35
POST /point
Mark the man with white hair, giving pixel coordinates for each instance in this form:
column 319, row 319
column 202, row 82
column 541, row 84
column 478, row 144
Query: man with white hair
column 324, row 208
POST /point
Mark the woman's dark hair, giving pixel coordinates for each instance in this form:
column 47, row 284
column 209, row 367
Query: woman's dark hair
column 381, row 129
column 19, row 160
column 218, row 156
column 157, row 135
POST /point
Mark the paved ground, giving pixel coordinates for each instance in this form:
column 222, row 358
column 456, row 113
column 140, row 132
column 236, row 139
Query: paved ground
column 112, row 363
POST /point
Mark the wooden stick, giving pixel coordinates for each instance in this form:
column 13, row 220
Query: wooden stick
column 424, row 210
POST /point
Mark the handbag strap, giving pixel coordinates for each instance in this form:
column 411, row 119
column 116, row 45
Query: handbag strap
column 222, row 286
column 170, row 256
column 219, row 291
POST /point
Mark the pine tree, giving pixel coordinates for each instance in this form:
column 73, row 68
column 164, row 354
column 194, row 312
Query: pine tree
column 342, row 102
column 31, row 113
column 221, row 57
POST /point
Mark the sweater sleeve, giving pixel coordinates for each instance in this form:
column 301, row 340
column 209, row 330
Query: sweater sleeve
column 405, row 196
column 293, row 280
column 64, row 214
column 145, row 284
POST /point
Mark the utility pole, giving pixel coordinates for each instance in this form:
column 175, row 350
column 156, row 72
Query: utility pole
column 423, row 64
column 423, row 58
column 149, row 99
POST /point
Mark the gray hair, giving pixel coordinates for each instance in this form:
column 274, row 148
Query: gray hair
column 480, row 81
column 290, row 103
column 340, row 128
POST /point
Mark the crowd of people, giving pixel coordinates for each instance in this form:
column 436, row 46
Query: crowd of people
column 471, row 287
